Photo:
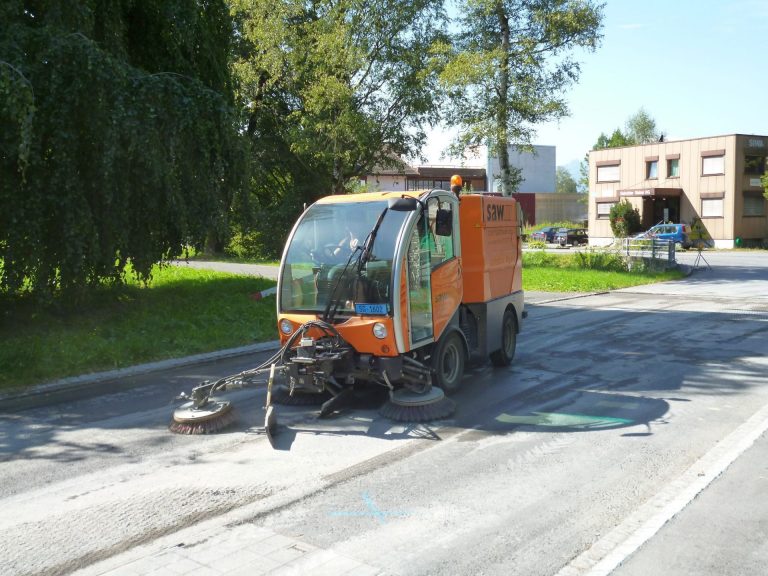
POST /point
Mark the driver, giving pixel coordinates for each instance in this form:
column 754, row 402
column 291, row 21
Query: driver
column 351, row 239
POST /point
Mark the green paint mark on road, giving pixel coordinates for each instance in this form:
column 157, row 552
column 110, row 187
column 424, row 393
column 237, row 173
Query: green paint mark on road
column 557, row 420
column 618, row 404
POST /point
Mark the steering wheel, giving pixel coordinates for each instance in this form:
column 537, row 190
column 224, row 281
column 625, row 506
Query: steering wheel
column 333, row 252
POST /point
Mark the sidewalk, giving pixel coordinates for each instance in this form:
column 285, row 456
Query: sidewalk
column 229, row 550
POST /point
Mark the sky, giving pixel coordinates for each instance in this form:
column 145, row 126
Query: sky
column 698, row 67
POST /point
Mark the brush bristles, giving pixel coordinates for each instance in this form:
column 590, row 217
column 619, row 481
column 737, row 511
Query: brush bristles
column 209, row 426
column 418, row 413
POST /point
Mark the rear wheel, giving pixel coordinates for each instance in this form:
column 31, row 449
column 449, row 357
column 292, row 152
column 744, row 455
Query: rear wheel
column 504, row 355
column 448, row 362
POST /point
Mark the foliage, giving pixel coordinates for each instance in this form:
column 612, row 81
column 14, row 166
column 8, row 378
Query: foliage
column 328, row 91
column 564, row 182
column 588, row 271
column 181, row 311
column 340, row 86
column 595, row 259
column 537, row 244
column 508, row 68
column 625, row 219
column 641, row 128
column 764, row 180
column 122, row 145
column 591, row 259
column 577, row 280
column 617, row 139
column 583, row 182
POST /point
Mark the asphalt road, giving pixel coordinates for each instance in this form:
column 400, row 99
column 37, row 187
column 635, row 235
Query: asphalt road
column 607, row 446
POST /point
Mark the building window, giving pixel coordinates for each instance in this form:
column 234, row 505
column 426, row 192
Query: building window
column 713, row 165
column 651, row 169
column 673, row 168
column 754, row 204
column 425, row 184
column 608, row 173
column 754, row 165
column 604, row 210
column 712, row 208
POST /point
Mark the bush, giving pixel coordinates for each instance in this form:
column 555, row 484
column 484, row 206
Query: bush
column 625, row 219
column 537, row 244
column 546, row 259
column 601, row 260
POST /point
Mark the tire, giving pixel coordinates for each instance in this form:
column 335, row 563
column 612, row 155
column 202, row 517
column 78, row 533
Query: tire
column 504, row 355
column 448, row 360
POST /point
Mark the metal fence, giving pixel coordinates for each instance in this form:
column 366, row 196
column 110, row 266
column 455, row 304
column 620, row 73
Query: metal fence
column 650, row 249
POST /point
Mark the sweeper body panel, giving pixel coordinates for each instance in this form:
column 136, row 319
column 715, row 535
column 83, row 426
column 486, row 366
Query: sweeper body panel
column 399, row 289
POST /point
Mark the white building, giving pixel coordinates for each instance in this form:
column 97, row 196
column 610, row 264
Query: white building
column 538, row 169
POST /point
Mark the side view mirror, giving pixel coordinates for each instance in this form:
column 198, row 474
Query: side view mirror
column 443, row 223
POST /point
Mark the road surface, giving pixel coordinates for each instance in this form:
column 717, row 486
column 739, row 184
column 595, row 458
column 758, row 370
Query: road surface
column 584, row 457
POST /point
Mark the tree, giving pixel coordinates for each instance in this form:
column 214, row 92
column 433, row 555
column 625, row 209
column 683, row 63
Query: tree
column 343, row 85
column 616, row 140
column 122, row 144
column 641, row 128
column 624, row 218
column 564, row 182
column 764, row 180
column 508, row 69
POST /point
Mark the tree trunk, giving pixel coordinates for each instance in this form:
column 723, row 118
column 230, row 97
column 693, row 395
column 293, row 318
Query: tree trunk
column 502, row 115
column 338, row 177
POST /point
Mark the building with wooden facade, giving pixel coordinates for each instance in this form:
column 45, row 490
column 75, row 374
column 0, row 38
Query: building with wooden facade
column 714, row 179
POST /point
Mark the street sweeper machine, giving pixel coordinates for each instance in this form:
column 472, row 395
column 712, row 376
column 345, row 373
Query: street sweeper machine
column 387, row 291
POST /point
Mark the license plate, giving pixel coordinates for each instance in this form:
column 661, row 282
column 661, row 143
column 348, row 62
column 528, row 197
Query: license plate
column 371, row 309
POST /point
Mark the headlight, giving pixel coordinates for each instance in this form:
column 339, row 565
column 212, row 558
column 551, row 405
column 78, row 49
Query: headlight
column 286, row 327
column 379, row 330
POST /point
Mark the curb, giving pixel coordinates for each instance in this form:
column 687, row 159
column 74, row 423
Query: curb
column 88, row 385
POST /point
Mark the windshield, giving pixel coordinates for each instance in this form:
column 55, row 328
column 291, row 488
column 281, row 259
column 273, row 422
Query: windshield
column 324, row 253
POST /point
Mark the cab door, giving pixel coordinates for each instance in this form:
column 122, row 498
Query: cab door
column 445, row 267
column 419, row 283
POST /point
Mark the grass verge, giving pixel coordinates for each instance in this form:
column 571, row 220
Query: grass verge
column 591, row 272
column 182, row 312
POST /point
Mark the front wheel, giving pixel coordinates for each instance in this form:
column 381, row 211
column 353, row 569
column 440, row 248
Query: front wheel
column 504, row 355
column 448, row 363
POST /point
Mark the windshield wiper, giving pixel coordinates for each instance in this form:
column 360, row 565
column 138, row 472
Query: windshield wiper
column 364, row 254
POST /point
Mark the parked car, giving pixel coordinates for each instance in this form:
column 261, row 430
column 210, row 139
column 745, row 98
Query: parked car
column 572, row 236
column 547, row 234
column 677, row 233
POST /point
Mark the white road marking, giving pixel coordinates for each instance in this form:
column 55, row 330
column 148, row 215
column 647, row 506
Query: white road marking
column 611, row 550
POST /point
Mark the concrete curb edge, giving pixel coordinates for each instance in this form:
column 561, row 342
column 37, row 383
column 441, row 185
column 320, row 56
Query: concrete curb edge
column 85, row 385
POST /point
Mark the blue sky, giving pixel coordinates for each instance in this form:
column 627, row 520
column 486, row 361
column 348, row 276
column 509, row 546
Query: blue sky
column 697, row 67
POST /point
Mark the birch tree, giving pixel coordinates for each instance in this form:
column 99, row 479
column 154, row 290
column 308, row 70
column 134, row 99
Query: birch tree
column 509, row 67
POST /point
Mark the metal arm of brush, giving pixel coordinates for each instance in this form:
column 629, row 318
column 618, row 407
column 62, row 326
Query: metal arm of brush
column 201, row 394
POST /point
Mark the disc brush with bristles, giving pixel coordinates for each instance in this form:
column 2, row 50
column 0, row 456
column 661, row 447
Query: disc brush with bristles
column 282, row 395
column 212, row 417
column 407, row 406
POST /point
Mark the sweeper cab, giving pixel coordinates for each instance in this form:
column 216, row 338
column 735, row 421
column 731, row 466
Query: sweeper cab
column 394, row 291
column 399, row 290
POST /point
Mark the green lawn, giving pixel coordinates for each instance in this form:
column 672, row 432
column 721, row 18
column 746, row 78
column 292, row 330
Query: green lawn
column 579, row 280
column 186, row 311
column 182, row 312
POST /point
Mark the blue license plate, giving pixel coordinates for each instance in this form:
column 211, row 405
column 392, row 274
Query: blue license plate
column 370, row 309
